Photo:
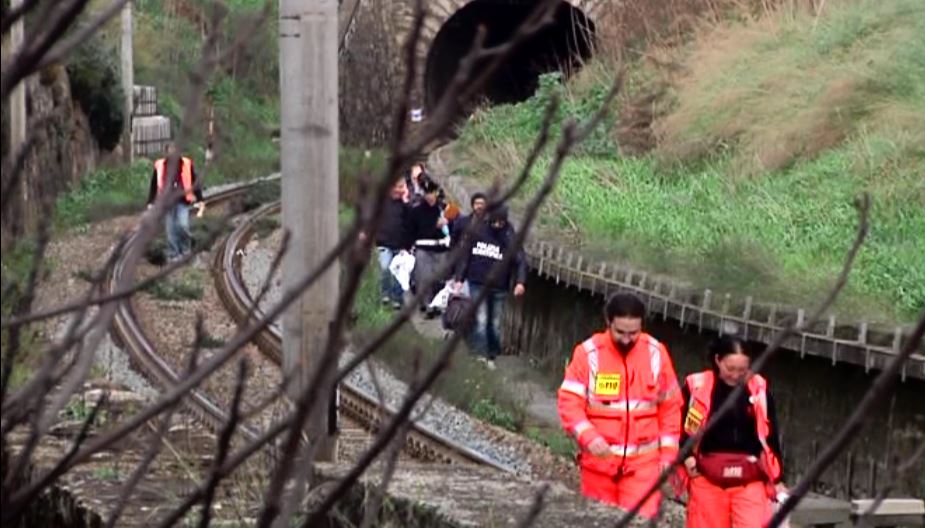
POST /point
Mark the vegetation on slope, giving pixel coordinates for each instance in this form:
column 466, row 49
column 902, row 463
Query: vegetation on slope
column 764, row 132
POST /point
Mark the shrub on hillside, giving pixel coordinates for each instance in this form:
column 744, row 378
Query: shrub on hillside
column 95, row 85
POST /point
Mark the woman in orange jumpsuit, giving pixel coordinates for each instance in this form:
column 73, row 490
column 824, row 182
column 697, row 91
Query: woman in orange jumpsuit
column 735, row 471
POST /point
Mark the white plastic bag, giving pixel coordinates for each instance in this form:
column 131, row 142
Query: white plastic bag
column 443, row 297
column 401, row 267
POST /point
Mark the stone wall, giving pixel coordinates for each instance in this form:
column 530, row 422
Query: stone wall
column 369, row 76
column 372, row 62
column 64, row 149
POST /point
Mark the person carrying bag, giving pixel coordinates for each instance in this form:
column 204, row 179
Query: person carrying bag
column 735, row 473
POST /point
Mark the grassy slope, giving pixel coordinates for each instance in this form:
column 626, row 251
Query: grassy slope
column 764, row 140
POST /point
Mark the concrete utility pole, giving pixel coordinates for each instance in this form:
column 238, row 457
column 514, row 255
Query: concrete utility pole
column 128, row 81
column 308, row 156
column 18, row 115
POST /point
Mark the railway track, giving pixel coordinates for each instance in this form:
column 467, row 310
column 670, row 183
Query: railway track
column 143, row 354
column 422, row 442
column 354, row 404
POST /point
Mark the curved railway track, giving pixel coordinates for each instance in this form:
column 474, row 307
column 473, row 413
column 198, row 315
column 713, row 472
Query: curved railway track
column 142, row 352
column 422, row 442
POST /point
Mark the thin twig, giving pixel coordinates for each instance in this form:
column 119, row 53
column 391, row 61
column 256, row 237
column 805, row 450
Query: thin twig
column 154, row 449
column 535, row 508
column 565, row 145
column 120, row 294
column 864, row 520
column 879, row 389
column 63, row 48
column 775, row 345
column 224, row 442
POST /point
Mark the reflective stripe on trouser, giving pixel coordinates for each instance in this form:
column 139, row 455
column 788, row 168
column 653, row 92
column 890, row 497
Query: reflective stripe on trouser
column 623, row 491
column 711, row 506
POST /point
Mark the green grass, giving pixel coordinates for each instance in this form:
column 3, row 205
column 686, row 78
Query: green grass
column 105, row 193
column 765, row 141
column 466, row 384
column 184, row 286
column 556, row 440
column 14, row 272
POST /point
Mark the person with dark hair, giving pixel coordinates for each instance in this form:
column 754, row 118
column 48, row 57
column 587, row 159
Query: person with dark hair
column 487, row 247
column 414, row 180
column 620, row 400
column 392, row 238
column 458, row 228
column 431, row 236
column 186, row 185
column 735, row 472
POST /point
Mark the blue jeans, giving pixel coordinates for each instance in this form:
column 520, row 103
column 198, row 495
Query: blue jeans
column 176, row 223
column 485, row 336
column 389, row 288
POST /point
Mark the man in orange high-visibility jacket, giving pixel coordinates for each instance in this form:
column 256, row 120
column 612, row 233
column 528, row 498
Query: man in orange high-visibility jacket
column 176, row 221
column 621, row 401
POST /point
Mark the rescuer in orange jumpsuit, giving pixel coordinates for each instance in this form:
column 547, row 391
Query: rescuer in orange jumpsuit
column 621, row 400
column 736, row 471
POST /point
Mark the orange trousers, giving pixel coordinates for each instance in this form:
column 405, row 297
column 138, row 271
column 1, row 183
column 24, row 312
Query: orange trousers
column 710, row 506
column 623, row 491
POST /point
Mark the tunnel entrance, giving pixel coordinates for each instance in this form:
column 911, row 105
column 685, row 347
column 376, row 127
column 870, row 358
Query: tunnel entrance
column 560, row 46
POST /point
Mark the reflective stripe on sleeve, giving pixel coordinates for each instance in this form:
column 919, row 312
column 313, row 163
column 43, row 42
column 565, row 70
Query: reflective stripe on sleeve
column 581, row 427
column 669, row 441
column 575, row 387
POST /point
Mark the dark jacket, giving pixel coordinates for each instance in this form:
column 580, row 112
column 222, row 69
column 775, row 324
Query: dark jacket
column 486, row 247
column 177, row 183
column 736, row 432
column 394, row 227
column 458, row 229
column 424, row 231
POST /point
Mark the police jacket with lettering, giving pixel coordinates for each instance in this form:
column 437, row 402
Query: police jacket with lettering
column 483, row 250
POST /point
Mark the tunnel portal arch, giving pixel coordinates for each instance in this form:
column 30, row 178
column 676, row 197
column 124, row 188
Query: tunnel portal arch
column 562, row 46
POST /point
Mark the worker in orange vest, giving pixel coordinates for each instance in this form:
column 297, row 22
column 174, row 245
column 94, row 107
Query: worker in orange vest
column 176, row 221
column 621, row 401
column 735, row 472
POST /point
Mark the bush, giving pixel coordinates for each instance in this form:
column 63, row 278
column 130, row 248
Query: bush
column 96, row 86
column 105, row 193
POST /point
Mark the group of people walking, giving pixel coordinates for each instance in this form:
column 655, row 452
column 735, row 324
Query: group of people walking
column 622, row 402
column 418, row 221
column 620, row 397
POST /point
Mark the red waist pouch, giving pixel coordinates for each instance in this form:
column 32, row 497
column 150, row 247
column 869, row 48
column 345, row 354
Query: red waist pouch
column 728, row 470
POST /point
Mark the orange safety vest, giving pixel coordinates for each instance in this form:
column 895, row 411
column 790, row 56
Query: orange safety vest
column 633, row 402
column 186, row 177
column 701, row 384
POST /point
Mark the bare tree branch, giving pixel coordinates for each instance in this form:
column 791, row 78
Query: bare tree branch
column 119, row 294
column 687, row 449
column 11, row 15
column 25, row 300
column 13, row 509
column 224, row 442
column 536, row 508
column 154, row 449
column 64, row 47
column 880, row 388
column 901, row 470
column 566, row 143
column 24, row 63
